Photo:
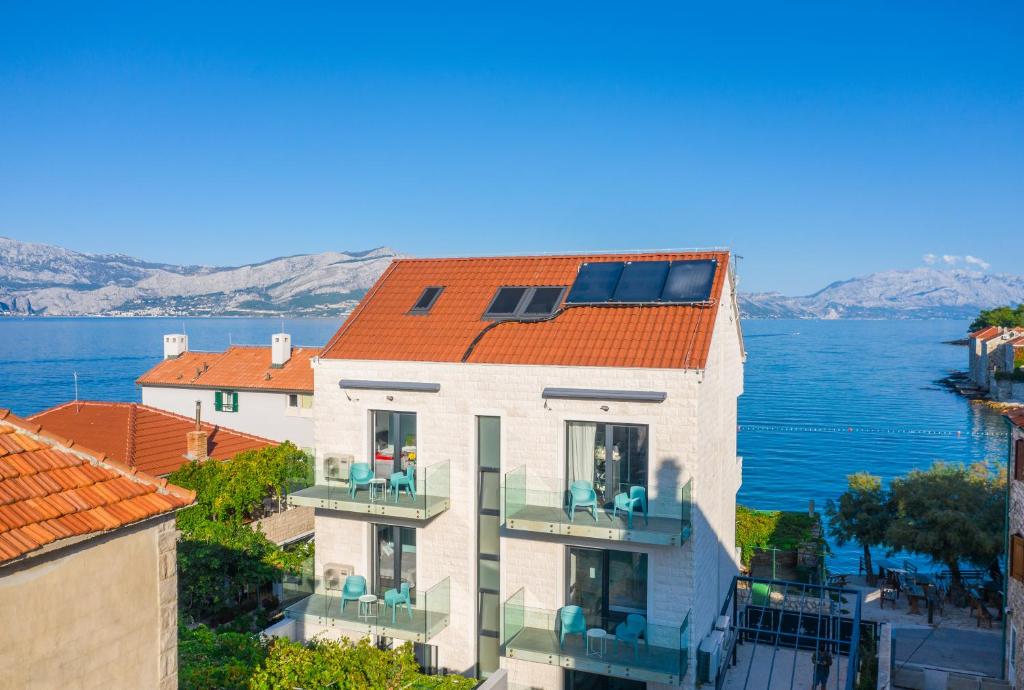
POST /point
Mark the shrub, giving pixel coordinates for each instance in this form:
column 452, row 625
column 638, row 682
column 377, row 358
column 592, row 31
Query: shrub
column 767, row 529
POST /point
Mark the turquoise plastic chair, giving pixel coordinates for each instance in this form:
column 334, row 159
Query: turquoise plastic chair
column 631, row 631
column 637, row 497
column 573, row 623
column 355, row 587
column 393, row 598
column 359, row 474
column 404, row 480
column 582, row 495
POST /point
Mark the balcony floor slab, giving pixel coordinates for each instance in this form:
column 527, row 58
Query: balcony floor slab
column 550, row 520
column 326, row 610
column 651, row 663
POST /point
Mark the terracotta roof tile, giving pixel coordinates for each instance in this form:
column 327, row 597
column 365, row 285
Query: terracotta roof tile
column 985, row 333
column 239, row 367
column 49, row 491
column 662, row 336
column 1017, row 416
column 142, row 437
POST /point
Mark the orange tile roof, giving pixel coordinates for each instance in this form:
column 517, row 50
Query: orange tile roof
column 239, row 367
column 51, row 488
column 140, row 436
column 985, row 333
column 662, row 336
column 1017, row 416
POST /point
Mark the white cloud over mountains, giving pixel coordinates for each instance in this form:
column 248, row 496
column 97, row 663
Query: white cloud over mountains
column 955, row 260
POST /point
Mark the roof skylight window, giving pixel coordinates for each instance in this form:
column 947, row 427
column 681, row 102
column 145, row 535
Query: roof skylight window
column 524, row 302
column 426, row 300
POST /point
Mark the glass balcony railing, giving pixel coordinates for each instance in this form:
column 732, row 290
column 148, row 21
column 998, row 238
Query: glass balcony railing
column 541, row 504
column 660, row 655
column 428, row 616
column 381, row 496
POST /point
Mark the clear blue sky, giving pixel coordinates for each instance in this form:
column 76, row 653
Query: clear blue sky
column 819, row 142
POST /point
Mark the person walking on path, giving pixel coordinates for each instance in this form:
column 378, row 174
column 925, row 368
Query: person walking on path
column 822, row 667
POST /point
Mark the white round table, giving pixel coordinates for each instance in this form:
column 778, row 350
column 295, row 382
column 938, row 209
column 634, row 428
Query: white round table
column 378, row 489
column 596, row 640
column 368, row 606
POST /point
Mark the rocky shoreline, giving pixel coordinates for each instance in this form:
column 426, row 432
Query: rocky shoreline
column 960, row 383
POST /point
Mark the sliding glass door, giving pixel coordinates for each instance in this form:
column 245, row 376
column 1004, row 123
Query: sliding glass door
column 394, row 441
column 395, row 559
column 612, row 457
column 608, row 585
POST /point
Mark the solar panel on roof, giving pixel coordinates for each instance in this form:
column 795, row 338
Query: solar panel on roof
column 689, row 281
column 641, row 281
column 595, row 282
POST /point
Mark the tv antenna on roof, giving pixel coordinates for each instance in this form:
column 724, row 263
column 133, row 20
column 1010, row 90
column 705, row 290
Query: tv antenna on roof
column 75, row 374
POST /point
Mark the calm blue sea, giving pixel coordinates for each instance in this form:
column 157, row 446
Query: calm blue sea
column 807, row 383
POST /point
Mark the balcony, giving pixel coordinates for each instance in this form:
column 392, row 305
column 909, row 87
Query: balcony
column 531, row 634
column 377, row 500
column 429, row 614
column 540, row 504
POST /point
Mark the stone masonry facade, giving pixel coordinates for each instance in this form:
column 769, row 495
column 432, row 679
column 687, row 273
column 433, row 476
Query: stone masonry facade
column 1015, row 587
column 167, row 588
column 692, row 436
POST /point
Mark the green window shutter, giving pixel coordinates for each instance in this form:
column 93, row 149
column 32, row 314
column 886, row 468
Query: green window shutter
column 234, row 402
column 218, row 401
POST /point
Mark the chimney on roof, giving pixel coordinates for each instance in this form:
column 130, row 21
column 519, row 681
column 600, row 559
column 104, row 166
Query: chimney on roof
column 280, row 349
column 175, row 345
column 197, row 440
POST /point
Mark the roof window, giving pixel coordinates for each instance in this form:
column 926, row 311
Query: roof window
column 426, row 300
column 524, row 302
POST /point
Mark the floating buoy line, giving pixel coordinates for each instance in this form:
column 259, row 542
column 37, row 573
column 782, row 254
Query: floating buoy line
column 939, row 433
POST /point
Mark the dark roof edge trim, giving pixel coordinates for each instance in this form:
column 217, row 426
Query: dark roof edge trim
column 410, row 386
column 598, row 394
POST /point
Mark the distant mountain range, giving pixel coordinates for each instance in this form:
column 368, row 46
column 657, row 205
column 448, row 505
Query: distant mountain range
column 47, row 280
column 921, row 293
column 42, row 279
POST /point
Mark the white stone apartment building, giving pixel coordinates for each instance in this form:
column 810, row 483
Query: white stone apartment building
column 993, row 350
column 1015, row 552
column 266, row 391
column 501, row 381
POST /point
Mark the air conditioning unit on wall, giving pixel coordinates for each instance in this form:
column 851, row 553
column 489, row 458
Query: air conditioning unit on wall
column 337, row 466
column 709, row 656
column 335, row 574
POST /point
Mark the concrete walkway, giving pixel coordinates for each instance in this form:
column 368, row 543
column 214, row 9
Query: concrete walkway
column 970, row 651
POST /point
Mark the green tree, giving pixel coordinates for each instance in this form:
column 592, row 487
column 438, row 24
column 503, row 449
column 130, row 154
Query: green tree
column 224, row 660
column 344, row 665
column 861, row 515
column 1000, row 316
column 223, row 562
column 950, row 513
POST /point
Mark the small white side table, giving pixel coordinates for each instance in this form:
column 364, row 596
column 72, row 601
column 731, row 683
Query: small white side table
column 596, row 641
column 368, row 606
column 378, row 489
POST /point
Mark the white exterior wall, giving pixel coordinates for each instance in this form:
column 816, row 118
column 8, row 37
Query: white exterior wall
column 264, row 414
column 692, row 435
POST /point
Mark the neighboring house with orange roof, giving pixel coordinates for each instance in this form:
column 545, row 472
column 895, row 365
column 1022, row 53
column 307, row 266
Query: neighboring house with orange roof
column 88, row 583
column 498, row 388
column 266, row 391
column 978, row 354
column 1006, row 380
column 152, row 440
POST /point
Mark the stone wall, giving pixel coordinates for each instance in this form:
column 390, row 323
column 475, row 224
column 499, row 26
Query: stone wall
column 101, row 613
column 286, row 526
column 1015, row 588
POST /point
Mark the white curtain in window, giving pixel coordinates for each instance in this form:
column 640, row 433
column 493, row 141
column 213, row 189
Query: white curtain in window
column 581, row 450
